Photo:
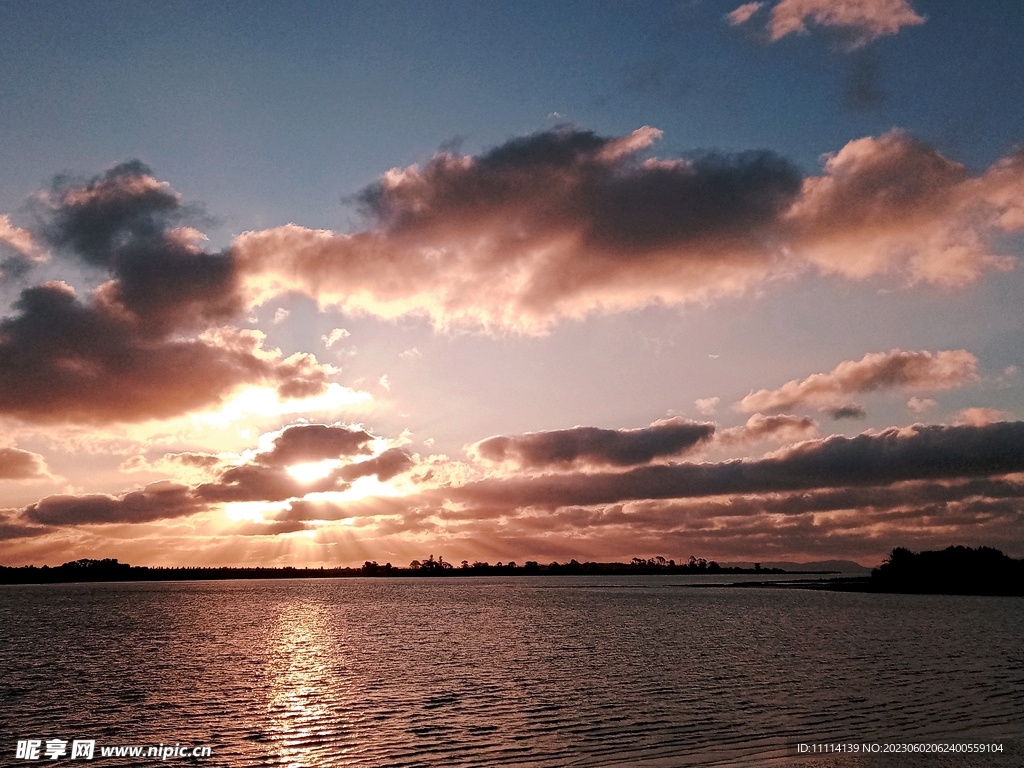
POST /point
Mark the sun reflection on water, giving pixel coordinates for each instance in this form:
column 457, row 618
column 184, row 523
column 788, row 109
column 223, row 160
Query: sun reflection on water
column 308, row 689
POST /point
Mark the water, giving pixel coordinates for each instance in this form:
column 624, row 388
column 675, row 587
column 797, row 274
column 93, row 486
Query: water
column 507, row 671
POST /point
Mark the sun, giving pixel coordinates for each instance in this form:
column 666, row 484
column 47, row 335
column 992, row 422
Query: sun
column 311, row 471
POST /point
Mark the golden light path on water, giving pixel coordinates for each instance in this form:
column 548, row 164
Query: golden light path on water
column 303, row 665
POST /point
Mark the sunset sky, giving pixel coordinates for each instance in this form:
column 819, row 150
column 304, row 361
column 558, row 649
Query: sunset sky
column 316, row 283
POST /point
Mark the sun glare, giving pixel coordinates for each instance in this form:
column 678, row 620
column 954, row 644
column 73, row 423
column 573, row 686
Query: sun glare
column 315, row 470
column 264, row 401
column 252, row 511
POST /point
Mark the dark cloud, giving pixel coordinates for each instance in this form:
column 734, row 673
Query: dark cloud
column 13, row 527
column 256, row 483
column 556, row 223
column 895, row 455
column 315, row 442
column 121, row 354
column 271, row 528
column 613, row 204
column 134, row 227
column 565, row 222
column 851, row 411
column 592, row 446
column 157, row 501
column 63, row 360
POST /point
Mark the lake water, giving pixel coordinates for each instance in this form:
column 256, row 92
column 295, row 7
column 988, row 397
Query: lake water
column 545, row 671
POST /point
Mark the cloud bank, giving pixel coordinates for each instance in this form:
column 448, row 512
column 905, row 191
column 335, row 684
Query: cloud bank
column 560, row 224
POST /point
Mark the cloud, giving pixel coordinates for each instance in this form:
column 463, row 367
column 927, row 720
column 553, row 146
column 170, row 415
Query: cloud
column 979, row 417
column 16, row 464
column 17, row 239
column 557, row 224
column 564, row 223
column 157, row 501
column 920, row 405
column 314, row 442
column 742, row 14
column 264, row 477
column 860, row 21
column 847, row 496
column 18, row 251
column 851, row 411
column 870, row 459
column 336, row 335
column 783, row 428
column 707, row 405
column 65, row 360
column 136, row 228
column 594, row 447
column 876, row 371
column 385, row 466
column 894, row 204
column 124, row 353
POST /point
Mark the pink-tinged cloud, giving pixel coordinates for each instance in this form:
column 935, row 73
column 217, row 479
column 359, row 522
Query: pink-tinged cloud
column 742, row 14
column 876, row 371
column 783, row 428
column 558, row 224
column 979, row 417
column 16, row 464
column 895, row 205
column 920, row 405
column 860, row 21
column 565, row 223
column 590, row 446
column 15, row 238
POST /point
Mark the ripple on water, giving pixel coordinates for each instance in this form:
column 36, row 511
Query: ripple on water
column 529, row 672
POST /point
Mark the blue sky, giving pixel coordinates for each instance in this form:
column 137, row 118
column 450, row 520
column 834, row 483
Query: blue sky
column 261, row 115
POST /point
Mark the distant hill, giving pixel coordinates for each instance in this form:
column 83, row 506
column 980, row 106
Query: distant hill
column 816, row 566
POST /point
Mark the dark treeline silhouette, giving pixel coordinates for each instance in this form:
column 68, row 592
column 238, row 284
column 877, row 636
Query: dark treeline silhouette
column 951, row 571
column 86, row 570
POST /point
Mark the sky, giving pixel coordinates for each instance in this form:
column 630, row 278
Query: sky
column 319, row 283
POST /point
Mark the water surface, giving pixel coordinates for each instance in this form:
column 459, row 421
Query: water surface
column 506, row 671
